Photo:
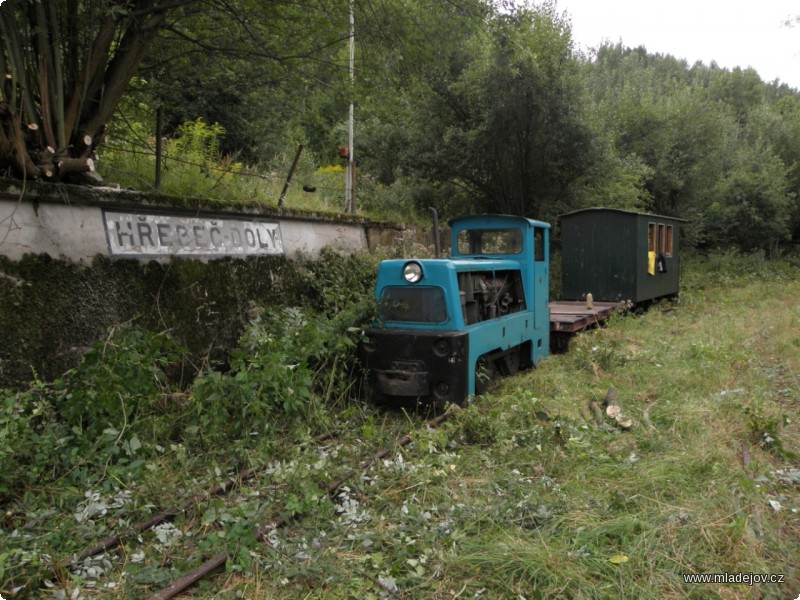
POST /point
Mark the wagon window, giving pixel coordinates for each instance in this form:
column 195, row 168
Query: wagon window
column 651, row 236
column 413, row 304
column 490, row 241
column 662, row 238
column 668, row 249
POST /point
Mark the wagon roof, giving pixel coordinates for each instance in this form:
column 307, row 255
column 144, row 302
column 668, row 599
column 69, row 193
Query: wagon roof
column 492, row 219
column 619, row 210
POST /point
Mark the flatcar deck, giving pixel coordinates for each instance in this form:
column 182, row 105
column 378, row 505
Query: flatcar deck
column 573, row 316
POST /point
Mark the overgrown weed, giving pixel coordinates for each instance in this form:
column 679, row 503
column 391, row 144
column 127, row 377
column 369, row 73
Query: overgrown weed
column 114, row 440
column 194, row 167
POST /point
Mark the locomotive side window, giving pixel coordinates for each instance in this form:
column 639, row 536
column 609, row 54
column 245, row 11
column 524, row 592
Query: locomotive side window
column 490, row 241
column 413, row 304
column 538, row 244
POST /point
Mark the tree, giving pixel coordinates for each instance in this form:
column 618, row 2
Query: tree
column 255, row 76
column 66, row 66
column 754, row 207
column 506, row 123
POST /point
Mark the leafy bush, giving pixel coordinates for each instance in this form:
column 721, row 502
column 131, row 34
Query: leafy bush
column 118, row 379
column 288, row 360
column 336, row 282
column 89, row 416
column 30, row 437
column 269, row 374
column 293, row 362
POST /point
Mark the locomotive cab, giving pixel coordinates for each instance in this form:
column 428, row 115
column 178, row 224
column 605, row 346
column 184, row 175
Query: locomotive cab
column 446, row 325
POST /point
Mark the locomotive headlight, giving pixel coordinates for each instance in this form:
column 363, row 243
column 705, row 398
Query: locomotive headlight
column 412, row 272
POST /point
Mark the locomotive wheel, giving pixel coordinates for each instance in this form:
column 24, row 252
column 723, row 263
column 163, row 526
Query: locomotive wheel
column 485, row 372
column 510, row 362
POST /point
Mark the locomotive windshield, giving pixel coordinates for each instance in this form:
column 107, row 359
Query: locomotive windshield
column 490, row 241
column 413, row 304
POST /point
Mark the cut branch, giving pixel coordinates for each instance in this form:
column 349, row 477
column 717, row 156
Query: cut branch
column 75, row 165
column 92, row 71
column 611, row 403
column 83, row 144
column 129, row 53
column 596, row 412
column 58, row 71
column 614, row 411
column 13, row 152
column 44, row 100
column 19, row 70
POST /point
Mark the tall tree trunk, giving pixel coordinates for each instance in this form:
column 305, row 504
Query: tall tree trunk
column 13, row 150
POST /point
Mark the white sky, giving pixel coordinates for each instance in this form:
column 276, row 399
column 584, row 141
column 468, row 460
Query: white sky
column 734, row 33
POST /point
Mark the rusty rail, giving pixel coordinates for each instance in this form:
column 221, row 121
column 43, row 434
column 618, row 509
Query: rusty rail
column 330, row 488
column 222, row 489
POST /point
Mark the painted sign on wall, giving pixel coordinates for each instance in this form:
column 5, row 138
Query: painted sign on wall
column 152, row 235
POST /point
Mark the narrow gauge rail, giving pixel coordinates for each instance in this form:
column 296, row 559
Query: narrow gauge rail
column 331, row 489
column 223, row 489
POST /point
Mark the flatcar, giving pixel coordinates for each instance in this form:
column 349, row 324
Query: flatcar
column 448, row 324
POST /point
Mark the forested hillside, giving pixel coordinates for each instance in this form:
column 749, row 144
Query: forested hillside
column 467, row 105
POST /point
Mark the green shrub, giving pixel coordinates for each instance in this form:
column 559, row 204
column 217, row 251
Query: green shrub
column 269, row 375
column 30, row 437
column 336, row 282
column 118, row 380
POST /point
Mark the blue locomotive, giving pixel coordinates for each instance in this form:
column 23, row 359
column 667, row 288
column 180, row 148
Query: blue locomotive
column 448, row 324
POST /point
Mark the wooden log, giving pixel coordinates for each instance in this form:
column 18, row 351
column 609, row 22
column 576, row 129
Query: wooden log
column 623, row 422
column 75, row 165
column 611, row 404
column 614, row 411
column 8, row 81
column 33, row 137
column 82, row 144
column 46, row 162
column 597, row 412
column 587, row 418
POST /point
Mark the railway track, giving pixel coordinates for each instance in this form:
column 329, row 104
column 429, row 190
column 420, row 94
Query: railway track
column 331, row 488
column 222, row 489
column 211, row 565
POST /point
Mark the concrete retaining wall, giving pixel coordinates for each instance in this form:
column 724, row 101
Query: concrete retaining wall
column 76, row 261
column 79, row 224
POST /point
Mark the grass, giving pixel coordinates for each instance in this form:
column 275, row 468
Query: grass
column 193, row 167
column 523, row 495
